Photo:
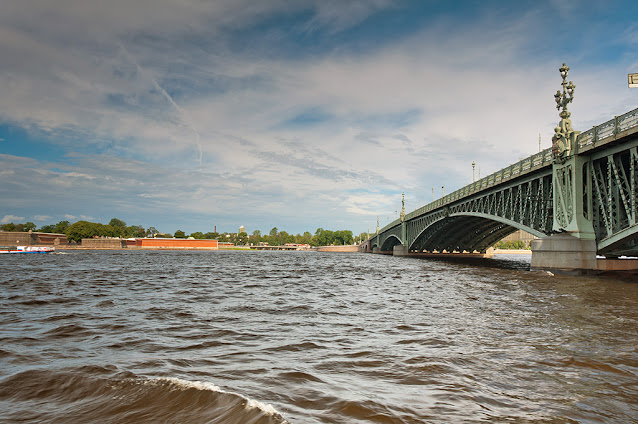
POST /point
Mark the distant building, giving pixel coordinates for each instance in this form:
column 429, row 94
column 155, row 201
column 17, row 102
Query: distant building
column 159, row 243
column 242, row 229
column 104, row 243
column 520, row 235
column 12, row 238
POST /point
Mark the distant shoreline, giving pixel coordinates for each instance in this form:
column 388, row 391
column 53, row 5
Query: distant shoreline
column 512, row 252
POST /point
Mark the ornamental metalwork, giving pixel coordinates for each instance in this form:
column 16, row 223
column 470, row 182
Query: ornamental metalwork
column 564, row 135
column 615, row 198
column 597, row 186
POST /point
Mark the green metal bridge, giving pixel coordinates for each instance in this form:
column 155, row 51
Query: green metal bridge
column 583, row 191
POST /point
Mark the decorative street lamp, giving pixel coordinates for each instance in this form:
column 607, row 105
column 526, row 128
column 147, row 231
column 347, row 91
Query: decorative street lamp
column 564, row 139
column 566, row 97
column 473, row 166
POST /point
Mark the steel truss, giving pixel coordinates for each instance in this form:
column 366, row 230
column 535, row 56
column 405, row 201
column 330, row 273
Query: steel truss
column 480, row 220
column 599, row 190
column 614, row 193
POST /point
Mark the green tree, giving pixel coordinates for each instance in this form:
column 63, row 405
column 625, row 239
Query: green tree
column 117, row 223
column 152, row 231
column 241, row 239
column 283, row 238
column 85, row 229
column 274, row 231
column 179, row 234
column 306, row 238
column 119, row 226
column 198, row 235
column 29, row 226
column 136, row 231
column 47, row 228
column 61, row 227
column 342, row 237
column 212, row 235
column 323, row 238
column 8, row 227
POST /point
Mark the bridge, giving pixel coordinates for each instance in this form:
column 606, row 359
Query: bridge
column 579, row 198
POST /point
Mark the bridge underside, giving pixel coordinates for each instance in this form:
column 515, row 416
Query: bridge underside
column 579, row 207
column 389, row 243
column 461, row 233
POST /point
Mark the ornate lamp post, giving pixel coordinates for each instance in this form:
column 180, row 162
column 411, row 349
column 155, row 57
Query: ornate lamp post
column 567, row 96
column 564, row 138
column 473, row 166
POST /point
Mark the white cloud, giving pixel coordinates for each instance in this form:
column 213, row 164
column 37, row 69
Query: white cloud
column 12, row 218
column 41, row 218
column 214, row 129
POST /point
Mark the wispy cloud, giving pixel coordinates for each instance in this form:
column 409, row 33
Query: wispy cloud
column 11, row 218
column 190, row 110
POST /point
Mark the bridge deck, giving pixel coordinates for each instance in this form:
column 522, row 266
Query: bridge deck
column 600, row 136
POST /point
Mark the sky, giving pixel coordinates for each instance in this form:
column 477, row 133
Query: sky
column 306, row 114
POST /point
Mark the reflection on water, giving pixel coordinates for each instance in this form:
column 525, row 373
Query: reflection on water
column 307, row 337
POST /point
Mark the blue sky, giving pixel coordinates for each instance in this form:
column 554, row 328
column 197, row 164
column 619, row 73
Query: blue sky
column 190, row 114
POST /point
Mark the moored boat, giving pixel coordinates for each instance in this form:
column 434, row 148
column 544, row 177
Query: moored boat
column 26, row 249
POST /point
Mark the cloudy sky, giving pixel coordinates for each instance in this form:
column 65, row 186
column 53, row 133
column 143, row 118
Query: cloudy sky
column 299, row 114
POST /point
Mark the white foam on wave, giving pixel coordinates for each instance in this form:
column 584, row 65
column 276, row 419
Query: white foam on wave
column 201, row 385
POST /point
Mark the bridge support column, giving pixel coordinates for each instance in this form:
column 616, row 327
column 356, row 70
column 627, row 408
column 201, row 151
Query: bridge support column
column 400, row 250
column 376, row 249
column 563, row 252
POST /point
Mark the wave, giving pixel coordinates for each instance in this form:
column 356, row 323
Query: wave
column 102, row 394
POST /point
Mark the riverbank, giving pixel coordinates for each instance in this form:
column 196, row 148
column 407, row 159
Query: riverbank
column 512, row 252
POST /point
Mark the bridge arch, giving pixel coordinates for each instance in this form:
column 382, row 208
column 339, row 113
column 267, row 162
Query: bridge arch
column 389, row 243
column 465, row 231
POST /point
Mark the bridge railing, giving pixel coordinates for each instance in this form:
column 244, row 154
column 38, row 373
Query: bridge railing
column 521, row 167
column 541, row 159
column 608, row 129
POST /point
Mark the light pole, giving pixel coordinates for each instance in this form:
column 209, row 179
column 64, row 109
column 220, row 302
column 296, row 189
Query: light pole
column 567, row 96
column 442, row 191
column 473, row 166
column 539, row 143
column 564, row 135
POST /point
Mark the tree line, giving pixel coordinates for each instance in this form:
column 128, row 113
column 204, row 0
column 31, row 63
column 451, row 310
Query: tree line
column 117, row 228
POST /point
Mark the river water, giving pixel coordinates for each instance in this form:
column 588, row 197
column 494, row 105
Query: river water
column 308, row 337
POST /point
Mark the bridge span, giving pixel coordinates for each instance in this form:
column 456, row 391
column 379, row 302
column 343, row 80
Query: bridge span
column 578, row 197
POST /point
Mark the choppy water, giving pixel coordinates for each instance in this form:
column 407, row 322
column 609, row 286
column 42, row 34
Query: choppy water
column 306, row 337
